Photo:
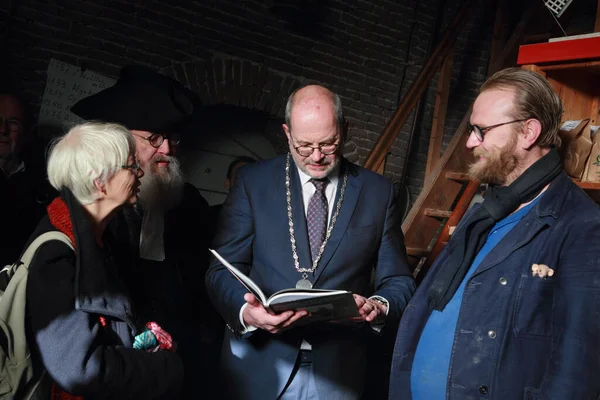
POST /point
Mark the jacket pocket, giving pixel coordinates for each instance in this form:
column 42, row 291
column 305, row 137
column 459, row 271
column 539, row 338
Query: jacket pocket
column 532, row 317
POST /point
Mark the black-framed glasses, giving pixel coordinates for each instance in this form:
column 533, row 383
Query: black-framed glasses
column 325, row 149
column 13, row 124
column 135, row 167
column 157, row 139
column 480, row 130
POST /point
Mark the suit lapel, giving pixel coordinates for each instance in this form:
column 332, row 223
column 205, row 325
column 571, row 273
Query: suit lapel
column 349, row 202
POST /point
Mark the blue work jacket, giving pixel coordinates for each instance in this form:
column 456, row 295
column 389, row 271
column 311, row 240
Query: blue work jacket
column 520, row 336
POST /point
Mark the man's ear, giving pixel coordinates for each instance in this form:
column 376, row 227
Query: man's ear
column 531, row 133
column 286, row 129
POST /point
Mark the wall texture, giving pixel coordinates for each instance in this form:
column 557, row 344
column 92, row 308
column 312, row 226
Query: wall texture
column 253, row 53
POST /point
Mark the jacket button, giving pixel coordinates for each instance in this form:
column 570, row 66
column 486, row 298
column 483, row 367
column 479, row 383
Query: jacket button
column 491, row 335
column 503, row 281
column 483, row 389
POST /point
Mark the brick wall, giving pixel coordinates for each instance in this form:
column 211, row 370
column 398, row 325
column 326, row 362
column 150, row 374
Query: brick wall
column 253, row 53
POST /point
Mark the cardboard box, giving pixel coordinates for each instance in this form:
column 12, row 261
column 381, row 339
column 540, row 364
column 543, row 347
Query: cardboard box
column 576, row 146
column 592, row 167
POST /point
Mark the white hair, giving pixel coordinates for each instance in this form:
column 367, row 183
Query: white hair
column 89, row 152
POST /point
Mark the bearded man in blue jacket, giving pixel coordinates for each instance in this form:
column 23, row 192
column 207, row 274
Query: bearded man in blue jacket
column 510, row 308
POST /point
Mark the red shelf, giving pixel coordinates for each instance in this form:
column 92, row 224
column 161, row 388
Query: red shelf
column 562, row 51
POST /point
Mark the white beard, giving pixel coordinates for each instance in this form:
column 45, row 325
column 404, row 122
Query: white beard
column 162, row 190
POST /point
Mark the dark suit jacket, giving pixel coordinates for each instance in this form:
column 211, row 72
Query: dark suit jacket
column 253, row 234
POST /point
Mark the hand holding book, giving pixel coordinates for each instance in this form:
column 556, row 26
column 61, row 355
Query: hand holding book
column 256, row 315
column 294, row 305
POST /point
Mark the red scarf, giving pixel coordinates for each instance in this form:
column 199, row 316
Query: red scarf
column 60, row 218
column 59, row 215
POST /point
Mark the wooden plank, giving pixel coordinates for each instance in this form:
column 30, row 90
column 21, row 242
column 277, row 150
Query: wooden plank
column 460, row 210
column 439, row 114
column 532, row 8
column 458, row 176
column 590, row 65
column 588, row 185
column 377, row 155
column 432, row 212
column 416, row 252
column 500, row 25
column 563, row 51
column 438, row 192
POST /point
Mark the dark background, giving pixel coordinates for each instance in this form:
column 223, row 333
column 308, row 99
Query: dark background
column 251, row 54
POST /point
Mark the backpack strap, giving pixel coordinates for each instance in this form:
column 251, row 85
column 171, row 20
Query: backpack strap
column 10, row 270
column 43, row 238
column 16, row 369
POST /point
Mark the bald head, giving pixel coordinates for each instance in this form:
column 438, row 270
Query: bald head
column 314, row 101
column 314, row 129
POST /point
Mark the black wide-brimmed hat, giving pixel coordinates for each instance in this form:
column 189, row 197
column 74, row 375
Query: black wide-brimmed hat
column 141, row 99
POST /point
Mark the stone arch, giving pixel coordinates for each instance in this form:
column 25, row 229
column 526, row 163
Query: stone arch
column 225, row 80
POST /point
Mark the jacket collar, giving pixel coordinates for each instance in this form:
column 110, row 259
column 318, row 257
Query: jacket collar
column 98, row 287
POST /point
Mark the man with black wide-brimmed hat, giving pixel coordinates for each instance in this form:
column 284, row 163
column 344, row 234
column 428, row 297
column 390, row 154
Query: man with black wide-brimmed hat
column 167, row 235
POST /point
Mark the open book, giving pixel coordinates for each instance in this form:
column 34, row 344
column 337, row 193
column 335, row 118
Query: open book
column 322, row 305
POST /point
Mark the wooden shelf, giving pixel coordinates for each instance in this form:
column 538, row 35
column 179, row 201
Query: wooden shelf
column 588, row 185
column 559, row 52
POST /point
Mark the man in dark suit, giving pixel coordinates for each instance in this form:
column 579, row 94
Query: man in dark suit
column 307, row 219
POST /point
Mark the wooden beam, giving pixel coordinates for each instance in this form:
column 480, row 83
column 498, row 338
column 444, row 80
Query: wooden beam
column 499, row 32
column 458, row 176
column 416, row 252
column 432, row 212
column 377, row 156
column 439, row 114
column 461, row 208
column 532, row 8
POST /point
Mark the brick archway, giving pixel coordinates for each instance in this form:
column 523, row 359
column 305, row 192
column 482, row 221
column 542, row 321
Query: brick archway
column 226, row 80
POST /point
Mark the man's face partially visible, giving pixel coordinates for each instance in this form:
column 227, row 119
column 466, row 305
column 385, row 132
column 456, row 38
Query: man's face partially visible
column 496, row 157
column 162, row 182
column 314, row 124
column 495, row 165
column 12, row 122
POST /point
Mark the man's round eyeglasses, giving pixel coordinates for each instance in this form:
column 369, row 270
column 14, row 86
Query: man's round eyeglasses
column 479, row 131
column 325, row 149
column 135, row 167
column 157, row 139
column 13, row 124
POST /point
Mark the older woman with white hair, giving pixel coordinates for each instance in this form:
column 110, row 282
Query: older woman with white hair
column 81, row 327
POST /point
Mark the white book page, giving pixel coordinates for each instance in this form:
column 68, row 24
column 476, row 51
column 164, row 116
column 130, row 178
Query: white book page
column 244, row 280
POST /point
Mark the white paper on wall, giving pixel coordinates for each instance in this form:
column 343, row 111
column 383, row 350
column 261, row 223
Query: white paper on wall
column 66, row 84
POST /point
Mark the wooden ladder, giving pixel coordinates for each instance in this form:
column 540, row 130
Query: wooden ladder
column 447, row 192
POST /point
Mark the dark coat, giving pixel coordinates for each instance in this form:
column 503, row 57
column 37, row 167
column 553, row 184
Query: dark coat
column 519, row 336
column 172, row 292
column 23, row 200
column 253, row 234
column 67, row 293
